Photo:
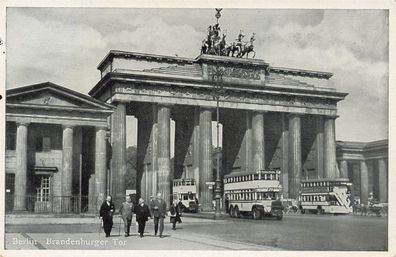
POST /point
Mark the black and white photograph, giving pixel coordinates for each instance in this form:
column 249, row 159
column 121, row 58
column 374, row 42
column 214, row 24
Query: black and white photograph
column 197, row 128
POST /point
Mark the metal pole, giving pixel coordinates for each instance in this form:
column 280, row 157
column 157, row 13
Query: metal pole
column 80, row 183
column 218, row 182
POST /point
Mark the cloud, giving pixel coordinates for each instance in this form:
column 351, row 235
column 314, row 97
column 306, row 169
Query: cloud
column 353, row 45
column 156, row 36
column 64, row 50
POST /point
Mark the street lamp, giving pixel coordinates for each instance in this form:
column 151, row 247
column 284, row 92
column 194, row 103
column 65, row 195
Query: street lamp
column 217, row 79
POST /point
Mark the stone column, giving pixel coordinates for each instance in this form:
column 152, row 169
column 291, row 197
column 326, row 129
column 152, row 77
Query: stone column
column 258, row 141
column 344, row 169
column 329, row 148
column 383, row 181
column 319, row 147
column 285, row 156
column 21, row 167
column 205, row 158
column 249, row 164
column 164, row 167
column 196, row 147
column 100, row 164
column 67, row 167
column 363, row 182
column 118, row 163
column 295, row 163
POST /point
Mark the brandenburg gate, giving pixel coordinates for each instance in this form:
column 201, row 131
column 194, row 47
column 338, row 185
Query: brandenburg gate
column 272, row 117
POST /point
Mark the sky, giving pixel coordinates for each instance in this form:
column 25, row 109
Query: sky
column 65, row 45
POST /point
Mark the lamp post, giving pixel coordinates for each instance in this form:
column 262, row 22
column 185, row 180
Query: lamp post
column 217, row 79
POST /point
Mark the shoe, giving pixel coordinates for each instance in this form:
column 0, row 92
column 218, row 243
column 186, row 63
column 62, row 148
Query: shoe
column 155, row 234
column 141, row 235
column 107, row 235
column 126, row 235
column 161, row 236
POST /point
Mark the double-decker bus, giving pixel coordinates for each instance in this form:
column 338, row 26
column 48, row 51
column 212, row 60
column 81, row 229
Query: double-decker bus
column 185, row 191
column 326, row 196
column 256, row 193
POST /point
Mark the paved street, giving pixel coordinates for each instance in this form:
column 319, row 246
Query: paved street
column 294, row 232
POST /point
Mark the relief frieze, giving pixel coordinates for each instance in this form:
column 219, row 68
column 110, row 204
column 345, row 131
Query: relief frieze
column 235, row 72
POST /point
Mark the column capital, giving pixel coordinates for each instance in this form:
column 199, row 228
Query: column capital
column 292, row 114
column 164, row 105
column 259, row 112
column 207, row 108
column 330, row 117
column 65, row 126
column 22, row 123
column 98, row 128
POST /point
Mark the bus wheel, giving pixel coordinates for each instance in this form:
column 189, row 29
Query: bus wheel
column 237, row 213
column 320, row 210
column 280, row 216
column 302, row 211
column 256, row 214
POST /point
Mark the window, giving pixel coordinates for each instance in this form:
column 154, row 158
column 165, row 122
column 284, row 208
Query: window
column 43, row 191
column 43, row 144
column 185, row 197
column 10, row 136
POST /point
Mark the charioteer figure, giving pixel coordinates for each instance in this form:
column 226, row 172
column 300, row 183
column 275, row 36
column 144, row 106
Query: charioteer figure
column 238, row 41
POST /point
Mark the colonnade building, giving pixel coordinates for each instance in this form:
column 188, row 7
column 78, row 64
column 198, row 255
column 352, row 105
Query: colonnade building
column 71, row 144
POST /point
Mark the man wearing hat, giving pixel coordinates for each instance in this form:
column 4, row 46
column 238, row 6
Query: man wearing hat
column 126, row 210
column 106, row 215
column 159, row 213
column 142, row 214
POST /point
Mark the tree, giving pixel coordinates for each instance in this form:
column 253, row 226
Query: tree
column 130, row 176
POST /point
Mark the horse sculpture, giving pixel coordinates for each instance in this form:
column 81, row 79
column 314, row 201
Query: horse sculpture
column 213, row 45
column 231, row 49
column 247, row 48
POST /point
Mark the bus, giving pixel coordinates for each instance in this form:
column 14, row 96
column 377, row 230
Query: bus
column 257, row 194
column 185, row 191
column 326, row 196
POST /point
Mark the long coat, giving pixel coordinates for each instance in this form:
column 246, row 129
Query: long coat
column 142, row 212
column 126, row 210
column 175, row 214
column 107, row 211
column 159, row 208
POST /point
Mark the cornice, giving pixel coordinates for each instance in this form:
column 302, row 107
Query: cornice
column 57, row 108
column 112, row 77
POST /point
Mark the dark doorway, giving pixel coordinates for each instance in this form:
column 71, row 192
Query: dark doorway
column 9, row 192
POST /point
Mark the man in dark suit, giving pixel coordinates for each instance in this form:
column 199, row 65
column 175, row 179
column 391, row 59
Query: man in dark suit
column 126, row 210
column 142, row 214
column 106, row 215
column 159, row 213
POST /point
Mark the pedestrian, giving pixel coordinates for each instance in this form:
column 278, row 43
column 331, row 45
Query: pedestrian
column 142, row 214
column 227, row 204
column 174, row 214
column 106, row 215
column 151, row 203
column 159, row 213
column 126, row 212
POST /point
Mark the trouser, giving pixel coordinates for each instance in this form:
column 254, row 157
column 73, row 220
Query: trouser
column 142, row 225
column 127, row 225
column 159, row 220
column 107, row 225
